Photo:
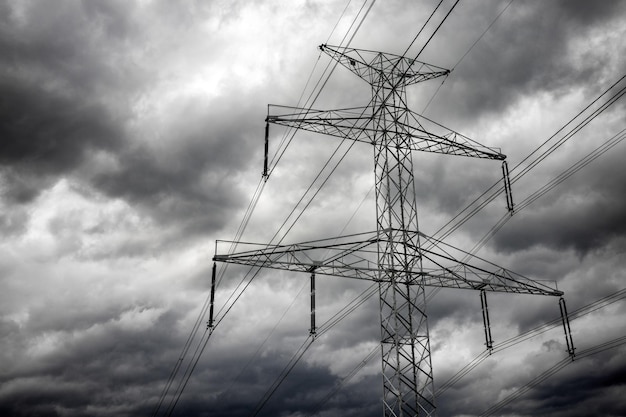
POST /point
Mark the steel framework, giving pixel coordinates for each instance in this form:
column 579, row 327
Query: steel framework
column 396, row 255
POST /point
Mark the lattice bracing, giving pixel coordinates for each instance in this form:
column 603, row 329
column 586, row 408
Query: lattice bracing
column 372, row 66
column 401, row 259
column 355, row 257
column 362, row 124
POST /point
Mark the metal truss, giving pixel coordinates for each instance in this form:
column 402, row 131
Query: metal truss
column 354, row 256
column 397, row 256
column 362, row 124
column 373, row 66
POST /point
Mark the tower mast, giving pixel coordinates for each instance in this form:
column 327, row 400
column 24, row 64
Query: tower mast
column 405, row 345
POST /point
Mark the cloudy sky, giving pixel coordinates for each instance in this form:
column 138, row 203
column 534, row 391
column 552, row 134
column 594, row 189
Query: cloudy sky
column 132, row 139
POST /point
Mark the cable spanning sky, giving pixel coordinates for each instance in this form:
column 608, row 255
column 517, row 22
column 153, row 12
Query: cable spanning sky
column 132, row 139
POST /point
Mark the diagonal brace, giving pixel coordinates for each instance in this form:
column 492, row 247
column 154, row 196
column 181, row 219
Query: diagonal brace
column 358, row 124
column 372, row 65
column 356, row 259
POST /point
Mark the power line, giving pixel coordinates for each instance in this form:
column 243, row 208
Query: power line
column 420, row 51
column 582, row 311
column 352, row 143
column 281, row 378
column 325, row 327
column 552, row 149
column 492, row 192
column 571, row 133
column 269, row 334
column 319, row 86
column 283, row 375
column 342, row 381
column 239, row 233
column 599, row 151
column 580, row 164
column 611, row 344
column 286, row 220
column 465, row 54
column 482, row 35
column 335, row 166
column 550, row 185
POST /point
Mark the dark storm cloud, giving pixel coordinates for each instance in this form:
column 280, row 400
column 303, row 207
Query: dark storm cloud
column 530, row 49
column 101, row 369
column 583, row 394
column 302, row 393
column 446, row 184
column 589, row 225
column 109, row 96
column 577, row 394
column 585, row 213
column 588, row 390
column 586, row 12
column 54, row 76
column 197, row 175
column 47, row 135
column 68, row 85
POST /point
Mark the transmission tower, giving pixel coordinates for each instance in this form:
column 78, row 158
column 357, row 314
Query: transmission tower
column 401, row 259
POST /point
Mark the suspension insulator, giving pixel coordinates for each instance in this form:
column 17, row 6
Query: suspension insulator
column 486, row 323
column 210, row 324
column 313, row 328
column 568, row 331
column 267, row 130
column 507, row 187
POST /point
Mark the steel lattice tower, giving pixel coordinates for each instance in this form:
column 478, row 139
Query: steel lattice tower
column 407, row 261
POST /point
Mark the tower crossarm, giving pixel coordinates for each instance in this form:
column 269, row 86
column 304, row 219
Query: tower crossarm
column 430, row 136
column 349, row 257
column 351, row 123
column 355, row 257
column 356, row 123
column 464, row 276
column 372, row 65
column 447, row 266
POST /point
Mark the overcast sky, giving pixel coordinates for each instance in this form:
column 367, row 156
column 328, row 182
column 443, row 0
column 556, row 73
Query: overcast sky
column 132, row 139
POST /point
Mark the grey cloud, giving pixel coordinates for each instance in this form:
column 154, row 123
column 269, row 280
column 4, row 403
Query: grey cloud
column 72, row 85
column 585, row 213
column 302, row 394
column 196, row 176
column 52, row 108
column 570, row 394
column 586, row 12
column 47, row 135
column 106, row 368
column 66, row 102
column 529, row 49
